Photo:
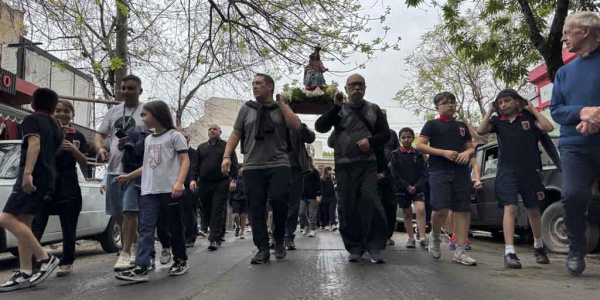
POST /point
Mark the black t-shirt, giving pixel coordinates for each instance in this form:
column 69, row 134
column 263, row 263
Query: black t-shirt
column 46, row 128
column 66, row 165
column 517, row 141
column 446, row 135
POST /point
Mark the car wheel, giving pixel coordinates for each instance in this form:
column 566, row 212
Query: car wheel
column 110, row 239
column 554, row 230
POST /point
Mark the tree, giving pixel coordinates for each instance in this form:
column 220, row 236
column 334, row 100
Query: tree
column 522, row 32
column 436, row 65
column 200, row 42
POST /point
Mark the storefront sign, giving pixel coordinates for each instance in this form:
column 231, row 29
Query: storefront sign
column 8, row 82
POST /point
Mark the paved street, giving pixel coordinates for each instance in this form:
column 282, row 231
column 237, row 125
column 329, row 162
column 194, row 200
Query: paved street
column 319, row 270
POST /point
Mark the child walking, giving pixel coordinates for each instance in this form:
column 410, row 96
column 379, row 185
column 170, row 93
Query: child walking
column 164, row 171
column 35, row 183
column 448, row 142
column 519, row 127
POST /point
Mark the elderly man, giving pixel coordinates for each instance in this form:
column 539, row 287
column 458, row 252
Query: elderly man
column 576, row 107
column 360, row 130
column 215, row 185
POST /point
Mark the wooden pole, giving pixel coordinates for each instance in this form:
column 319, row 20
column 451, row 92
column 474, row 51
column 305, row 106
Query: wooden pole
column 103, row 101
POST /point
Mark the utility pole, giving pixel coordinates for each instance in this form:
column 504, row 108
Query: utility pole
column 121, row 30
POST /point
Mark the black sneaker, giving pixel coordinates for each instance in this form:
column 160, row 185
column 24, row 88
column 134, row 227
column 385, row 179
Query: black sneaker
column 280, row 251
column 137, row 274
column 541, row 257
column 575, row 264
column 237, row 232
column 180, row 267
column 213, row 246
column 46, row 268
column 511, row 261
column 17, row 281
column 263, row 256
column 290, row 244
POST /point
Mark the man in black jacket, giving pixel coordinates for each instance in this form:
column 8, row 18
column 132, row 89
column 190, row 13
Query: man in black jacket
column 300, row 166
column 360, row 130
column 191, row 200
column 215, row 184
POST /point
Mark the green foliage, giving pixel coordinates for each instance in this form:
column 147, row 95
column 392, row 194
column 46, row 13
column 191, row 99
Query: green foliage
column 115, row 63
column 436, row 65
column 510, row 48
column 327, row 153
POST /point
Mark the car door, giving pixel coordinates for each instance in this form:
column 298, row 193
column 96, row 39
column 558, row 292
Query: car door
column 488, row 210
column 92, row 219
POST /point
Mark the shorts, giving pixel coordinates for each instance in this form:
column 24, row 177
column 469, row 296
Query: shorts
column 20, row 203
column 239, row 206
column 405, row 200
column 512, row 182
column 122, row 197
column 450, row 189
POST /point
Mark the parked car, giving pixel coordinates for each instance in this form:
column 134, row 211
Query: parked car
column 486, row 215
column 93, row 223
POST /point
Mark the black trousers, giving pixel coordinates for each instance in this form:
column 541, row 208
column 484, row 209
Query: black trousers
column 190, row 208
column 214, row 202
column 294, row 203
column 389, row 201
column 362, row 217
column 274, row 182
column 68, row 213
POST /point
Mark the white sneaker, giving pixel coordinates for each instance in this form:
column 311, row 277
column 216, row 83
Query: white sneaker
column 132, row 256
column 312, row 233
column 462, row 257
column 123, row 263
column 306, row 231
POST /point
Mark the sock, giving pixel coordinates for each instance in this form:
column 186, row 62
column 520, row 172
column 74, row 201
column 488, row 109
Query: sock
column 27, row 272
column 509, row 249
column 538, row 243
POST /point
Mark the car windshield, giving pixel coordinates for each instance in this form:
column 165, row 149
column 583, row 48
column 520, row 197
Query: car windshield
column 9, row 160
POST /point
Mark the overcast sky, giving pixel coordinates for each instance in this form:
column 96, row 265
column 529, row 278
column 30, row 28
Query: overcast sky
column 385, row 74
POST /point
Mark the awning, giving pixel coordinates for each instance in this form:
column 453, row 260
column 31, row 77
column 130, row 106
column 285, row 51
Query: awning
column 8, row 112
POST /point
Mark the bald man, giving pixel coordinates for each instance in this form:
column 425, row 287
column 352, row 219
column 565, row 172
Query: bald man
column 215, row 185
column 360, row 131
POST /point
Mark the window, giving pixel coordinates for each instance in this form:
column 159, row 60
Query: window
column 10, row 154
column 490, row 162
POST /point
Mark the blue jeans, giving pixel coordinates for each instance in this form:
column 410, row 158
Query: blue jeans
column 581, row 165
column 150, row 207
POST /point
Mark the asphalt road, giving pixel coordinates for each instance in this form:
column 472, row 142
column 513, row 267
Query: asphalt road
column 319, row 270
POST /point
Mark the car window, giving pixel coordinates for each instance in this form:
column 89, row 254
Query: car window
column 9, row 160
column 546, row 161
column 490, row 162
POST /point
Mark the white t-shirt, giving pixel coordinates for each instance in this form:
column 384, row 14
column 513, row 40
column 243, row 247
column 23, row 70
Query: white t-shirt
column 120, row 117
column 161, row 161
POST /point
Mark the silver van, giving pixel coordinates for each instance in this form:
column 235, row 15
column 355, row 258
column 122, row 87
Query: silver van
column 93, row 223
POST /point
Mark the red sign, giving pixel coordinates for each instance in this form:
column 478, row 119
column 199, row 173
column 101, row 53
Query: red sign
column 9, row 82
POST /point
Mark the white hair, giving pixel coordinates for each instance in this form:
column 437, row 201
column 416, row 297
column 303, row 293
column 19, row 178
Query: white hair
column 587, row 19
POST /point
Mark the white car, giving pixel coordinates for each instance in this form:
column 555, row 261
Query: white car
column 93, row 223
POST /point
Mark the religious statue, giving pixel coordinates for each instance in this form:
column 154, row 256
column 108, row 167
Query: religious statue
column 313, row 73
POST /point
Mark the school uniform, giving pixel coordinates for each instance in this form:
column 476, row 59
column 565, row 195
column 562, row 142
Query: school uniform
column 408, row 169
column 450, row 183
column 519, row 160
column 45, row 127
column 66, row 201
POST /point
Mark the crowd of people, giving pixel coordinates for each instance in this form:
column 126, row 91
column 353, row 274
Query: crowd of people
column 156, row 182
